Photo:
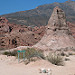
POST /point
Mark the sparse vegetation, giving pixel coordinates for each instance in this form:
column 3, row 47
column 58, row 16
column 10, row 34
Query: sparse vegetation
column 55, row 59
column 31, row 52
column 2, row 49
column 13, row 53
column 67, row 59
column 70, row 53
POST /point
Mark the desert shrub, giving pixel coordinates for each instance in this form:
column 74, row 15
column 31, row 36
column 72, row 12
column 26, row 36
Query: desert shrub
column 55, row 59
column 13, row 53
column 67, row 59
column 70, row 53
column 62, row 53
column 31, row 52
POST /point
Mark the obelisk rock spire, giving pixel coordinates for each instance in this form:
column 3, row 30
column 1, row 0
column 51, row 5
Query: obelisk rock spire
column 57, row 19
column 58, row 35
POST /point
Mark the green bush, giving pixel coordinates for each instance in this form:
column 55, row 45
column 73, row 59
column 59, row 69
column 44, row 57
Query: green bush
column 55, row 59
column 13, row 53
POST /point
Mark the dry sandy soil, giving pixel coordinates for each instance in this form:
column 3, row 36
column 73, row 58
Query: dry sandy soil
column 10, row 66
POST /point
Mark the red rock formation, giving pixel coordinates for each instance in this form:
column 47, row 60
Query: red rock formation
column 12, row 35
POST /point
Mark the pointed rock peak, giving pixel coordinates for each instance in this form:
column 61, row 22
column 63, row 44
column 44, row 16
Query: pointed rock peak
column 69, row 0
column 57, row 18
column 58, row 35
column 57, row 8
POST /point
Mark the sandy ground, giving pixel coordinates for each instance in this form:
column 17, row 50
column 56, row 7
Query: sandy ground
column 10, row 66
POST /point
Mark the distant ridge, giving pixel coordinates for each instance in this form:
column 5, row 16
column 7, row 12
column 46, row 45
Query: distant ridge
column 41, row 14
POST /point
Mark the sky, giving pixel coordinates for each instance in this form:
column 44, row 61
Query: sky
column 10, row 6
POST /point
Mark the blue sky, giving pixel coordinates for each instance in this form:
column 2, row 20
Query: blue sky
column 10, row 6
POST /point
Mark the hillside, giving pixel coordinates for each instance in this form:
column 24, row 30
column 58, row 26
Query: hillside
column 41, row 14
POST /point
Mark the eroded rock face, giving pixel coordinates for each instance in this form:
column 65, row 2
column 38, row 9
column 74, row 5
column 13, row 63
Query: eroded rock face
column 58, row 34
column 4, row 28
column 58, row 19
column 12, row 35
column 72, row 28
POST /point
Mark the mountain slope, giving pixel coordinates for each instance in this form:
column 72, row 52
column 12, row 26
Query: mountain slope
column 41, row 14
